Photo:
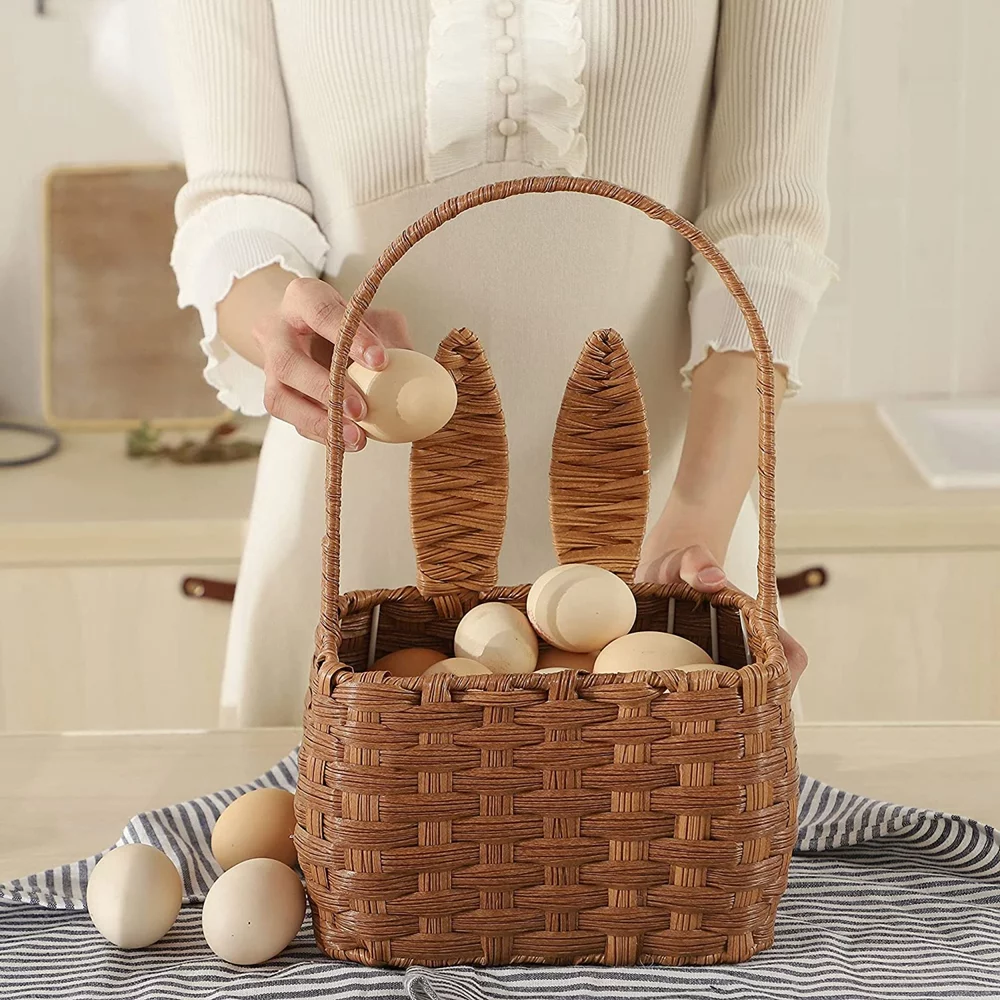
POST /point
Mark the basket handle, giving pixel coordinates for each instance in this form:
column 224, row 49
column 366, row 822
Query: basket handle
column 767, row 598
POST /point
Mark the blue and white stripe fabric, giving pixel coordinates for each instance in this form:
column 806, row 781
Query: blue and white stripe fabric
column 883, row 902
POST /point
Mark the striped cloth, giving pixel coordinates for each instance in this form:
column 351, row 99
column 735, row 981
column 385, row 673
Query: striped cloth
column 883, row 902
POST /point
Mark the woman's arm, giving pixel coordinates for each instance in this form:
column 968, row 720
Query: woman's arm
column 286, row 326
column 766, row 207
column 248, row 253
column 718, row 463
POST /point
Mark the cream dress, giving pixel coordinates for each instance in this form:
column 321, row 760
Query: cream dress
column 316, row 130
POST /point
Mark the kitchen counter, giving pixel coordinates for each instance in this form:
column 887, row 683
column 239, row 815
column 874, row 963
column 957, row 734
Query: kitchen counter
column 66, row 796
column 844, row 484
column 89, row 503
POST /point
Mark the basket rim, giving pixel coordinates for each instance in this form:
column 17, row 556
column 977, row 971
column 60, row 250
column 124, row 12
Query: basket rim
column 769, row 663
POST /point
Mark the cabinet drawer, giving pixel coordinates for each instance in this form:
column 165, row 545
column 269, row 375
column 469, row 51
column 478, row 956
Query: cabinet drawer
column 110, row 647
column 899, row 636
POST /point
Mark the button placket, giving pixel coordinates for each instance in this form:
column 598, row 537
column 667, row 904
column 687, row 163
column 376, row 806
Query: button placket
column 508, row 83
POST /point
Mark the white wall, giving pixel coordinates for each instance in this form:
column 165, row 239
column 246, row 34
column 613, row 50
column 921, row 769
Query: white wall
column 55, row 111
column 914, row 171
column 914, row 175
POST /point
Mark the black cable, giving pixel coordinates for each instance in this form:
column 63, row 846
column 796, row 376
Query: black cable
column 52, row 439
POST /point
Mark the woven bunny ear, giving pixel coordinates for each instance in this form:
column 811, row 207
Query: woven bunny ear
column 458, row 484
column 599, row 478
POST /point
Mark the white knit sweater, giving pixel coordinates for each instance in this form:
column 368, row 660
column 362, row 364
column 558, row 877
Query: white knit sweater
column 294, row 112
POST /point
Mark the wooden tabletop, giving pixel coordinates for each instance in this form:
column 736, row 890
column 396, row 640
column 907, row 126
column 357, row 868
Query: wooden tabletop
column 66, row 796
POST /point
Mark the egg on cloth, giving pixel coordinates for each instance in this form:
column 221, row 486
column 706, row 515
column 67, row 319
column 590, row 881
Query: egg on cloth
column 258, row 824
column 253, row 911
column 134, row 895
column 580, row 608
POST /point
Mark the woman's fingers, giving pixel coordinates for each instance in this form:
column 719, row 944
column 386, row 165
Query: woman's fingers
column 311, row 305
column 307, row 416
column 695, row 566
column 795, row 654
column 286, row 360
column 698, row 569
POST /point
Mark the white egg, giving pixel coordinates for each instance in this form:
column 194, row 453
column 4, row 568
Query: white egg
column 581, row 608
column 459, row 666
column 253, row 911
column 499, row 637
column 134, row 895
column 650, row 651
column 411, row 398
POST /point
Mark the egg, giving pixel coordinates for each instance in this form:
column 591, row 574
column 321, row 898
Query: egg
column 581, row 608
column 258, row 824
column 650, row 651
column 134, row 895
column 409, row 662
column 411, row 398
column 458, row 666
column 499, row 637
column 559, row 659
column 253, row 911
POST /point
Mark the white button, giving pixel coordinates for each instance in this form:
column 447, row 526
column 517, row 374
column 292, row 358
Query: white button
column 504, row 9
column 507, row 126
column 507, row 85
column 504, row 44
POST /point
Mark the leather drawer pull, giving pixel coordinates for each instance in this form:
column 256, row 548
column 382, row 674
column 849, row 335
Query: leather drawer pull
column 808, row 579
column 208, row 590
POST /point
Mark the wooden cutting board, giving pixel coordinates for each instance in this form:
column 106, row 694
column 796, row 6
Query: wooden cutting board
column 118, row 350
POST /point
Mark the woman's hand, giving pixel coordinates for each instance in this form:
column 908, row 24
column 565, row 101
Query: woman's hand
column 296, row 346
column 667, row 560
column 689, row 541
column 287, row 326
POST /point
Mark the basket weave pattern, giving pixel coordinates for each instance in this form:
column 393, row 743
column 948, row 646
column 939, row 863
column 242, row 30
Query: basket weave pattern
column 569, row 817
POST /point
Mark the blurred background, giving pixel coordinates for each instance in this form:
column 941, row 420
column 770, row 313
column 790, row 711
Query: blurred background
column 115, row 573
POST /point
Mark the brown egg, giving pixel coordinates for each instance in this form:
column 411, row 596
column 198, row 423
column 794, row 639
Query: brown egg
column 409, row 662
column 559, row 659
column 459, row 666
column 258, row 824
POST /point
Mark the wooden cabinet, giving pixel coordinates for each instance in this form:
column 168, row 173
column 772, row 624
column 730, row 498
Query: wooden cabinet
column 899, row 636
column 109, row 647
column 95, row 632
column 907, row 627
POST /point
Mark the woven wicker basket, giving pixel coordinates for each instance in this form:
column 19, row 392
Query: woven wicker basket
column 561, row 818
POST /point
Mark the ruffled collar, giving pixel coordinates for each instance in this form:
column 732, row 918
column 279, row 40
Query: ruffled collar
column 503, row 83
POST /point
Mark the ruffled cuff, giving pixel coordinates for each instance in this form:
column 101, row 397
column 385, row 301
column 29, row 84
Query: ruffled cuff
column 785, row 280
column 228, row 239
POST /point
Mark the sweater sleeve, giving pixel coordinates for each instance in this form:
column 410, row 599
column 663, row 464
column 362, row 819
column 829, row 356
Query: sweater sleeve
column 242, row 207
column 766, row 204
